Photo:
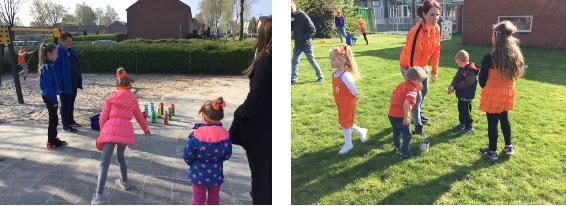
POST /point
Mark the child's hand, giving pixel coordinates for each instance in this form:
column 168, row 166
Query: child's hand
column 147, row 134
column 406, row 121
column 450, row 90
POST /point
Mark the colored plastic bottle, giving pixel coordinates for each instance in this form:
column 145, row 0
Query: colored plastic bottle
column 172, row 109
column 170, row 114
column 152, row 116
column 166, row 119
column 161, row 107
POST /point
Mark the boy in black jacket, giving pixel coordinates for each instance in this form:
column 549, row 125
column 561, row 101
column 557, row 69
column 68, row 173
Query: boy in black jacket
column 464, row 83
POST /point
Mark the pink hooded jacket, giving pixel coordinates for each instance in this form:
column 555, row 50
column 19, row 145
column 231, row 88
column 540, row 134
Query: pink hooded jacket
column 115, row 125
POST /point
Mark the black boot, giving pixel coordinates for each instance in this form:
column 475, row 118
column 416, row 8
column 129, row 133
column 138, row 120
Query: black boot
column 419, row 130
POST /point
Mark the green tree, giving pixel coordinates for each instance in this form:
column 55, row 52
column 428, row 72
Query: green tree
column 252, row 27
column 69, row 20
column 321, row 13
column 85, row 15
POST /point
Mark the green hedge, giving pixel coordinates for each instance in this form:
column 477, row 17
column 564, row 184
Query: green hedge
column 116, row 37
column 161, row 56
column 190, row 57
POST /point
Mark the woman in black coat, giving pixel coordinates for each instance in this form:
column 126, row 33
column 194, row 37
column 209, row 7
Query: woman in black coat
column 251, row 127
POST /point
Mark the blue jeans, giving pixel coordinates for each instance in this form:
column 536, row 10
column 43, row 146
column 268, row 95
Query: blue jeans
column 309, row 52
column 341, row 32
column 419, row 106
column 398, row 129
column 105, row 163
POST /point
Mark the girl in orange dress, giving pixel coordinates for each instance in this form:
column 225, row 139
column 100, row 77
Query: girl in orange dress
column 346, row 94
column 499, row 71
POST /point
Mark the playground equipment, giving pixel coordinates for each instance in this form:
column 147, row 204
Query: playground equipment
column 7, row 38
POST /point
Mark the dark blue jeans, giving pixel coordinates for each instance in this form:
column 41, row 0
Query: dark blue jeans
column 398, row 130
column 67, row 108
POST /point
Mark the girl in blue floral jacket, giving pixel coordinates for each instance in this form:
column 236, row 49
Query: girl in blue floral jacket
column 208, row 147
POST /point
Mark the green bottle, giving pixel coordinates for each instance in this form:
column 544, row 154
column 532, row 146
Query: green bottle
column 170, row 112
column 152, row 116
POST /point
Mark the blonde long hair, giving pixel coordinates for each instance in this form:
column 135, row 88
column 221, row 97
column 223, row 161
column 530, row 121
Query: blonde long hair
column 505, row 52
column 44, row 49
column 350, row 63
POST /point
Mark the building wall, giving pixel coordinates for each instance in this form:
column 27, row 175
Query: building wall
column 159, row 19
column 548, row 25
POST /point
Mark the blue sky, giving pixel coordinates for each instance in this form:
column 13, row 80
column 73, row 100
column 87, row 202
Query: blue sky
column 261, row 7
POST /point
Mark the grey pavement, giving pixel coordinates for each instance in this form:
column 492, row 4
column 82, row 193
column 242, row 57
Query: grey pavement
column 31, row 174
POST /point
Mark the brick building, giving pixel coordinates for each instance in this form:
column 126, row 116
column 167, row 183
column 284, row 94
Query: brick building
column 541, row 23
column 159, row 19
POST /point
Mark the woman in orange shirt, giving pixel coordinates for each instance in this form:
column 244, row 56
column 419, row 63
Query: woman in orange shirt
column 499, row 71
column 422, row 46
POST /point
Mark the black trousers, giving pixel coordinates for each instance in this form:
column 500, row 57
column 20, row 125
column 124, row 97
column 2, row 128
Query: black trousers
column 492, row 122
column 365, row 37
column 464, row 113
column 260, row 166
column 53, row 120
column 68, row 108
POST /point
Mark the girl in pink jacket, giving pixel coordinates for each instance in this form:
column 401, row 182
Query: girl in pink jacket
column 117, row 130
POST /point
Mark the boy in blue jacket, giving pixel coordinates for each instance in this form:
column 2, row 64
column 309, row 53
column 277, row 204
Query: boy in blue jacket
column 464, row 83
column 49, row 90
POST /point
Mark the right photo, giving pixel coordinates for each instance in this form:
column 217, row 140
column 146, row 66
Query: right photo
column 428, row 102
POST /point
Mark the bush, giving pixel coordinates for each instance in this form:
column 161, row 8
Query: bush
column 160, row 56
column 116, row 37
column 321, row 13
column 164, row 56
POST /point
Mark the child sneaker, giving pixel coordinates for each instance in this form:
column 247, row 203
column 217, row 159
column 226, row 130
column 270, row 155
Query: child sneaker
column 406, row 155
column 467, row 130
column 97, row 200
column 458, row 127
column 54, row 146
column 508, row 149
column 345, row 149
column 363, row 134
column 488, row 153
column 124, row 186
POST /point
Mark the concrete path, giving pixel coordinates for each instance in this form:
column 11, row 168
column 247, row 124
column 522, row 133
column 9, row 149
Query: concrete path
column 31, row 174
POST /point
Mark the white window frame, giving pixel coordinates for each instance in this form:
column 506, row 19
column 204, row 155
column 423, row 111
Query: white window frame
column 520, row 30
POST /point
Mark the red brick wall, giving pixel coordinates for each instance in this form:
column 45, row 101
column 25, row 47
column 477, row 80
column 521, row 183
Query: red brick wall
column 548, row 28
column 158, row 19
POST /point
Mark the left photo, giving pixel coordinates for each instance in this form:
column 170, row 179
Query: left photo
column 135, row 102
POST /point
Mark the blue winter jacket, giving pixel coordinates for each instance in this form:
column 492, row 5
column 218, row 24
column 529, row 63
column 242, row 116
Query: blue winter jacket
column 206, row 159
column 63, row 70
column 465, row 82
column 48, row 82
column 339, row 21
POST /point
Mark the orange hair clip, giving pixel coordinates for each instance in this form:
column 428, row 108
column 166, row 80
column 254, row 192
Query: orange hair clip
column 122, row 75
column 218, row 106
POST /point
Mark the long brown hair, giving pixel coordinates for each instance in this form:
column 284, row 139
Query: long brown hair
column 262, row 45
column 505, row 52
column 44, row 49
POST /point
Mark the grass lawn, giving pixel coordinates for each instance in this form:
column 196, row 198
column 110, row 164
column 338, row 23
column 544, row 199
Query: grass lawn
column 453, row 171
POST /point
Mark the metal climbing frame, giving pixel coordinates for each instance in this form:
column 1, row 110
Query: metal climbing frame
column 7, row 38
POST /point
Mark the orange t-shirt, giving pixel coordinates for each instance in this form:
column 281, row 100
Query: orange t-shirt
column 21, row 57
column 404, row 91
column 427, row 47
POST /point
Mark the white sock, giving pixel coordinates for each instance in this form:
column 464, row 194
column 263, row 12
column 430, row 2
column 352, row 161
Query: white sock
column 357, row 129
column 347, row 136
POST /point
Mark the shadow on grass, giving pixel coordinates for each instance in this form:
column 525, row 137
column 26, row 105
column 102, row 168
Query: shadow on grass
column 312, row 176
column 431, row 191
